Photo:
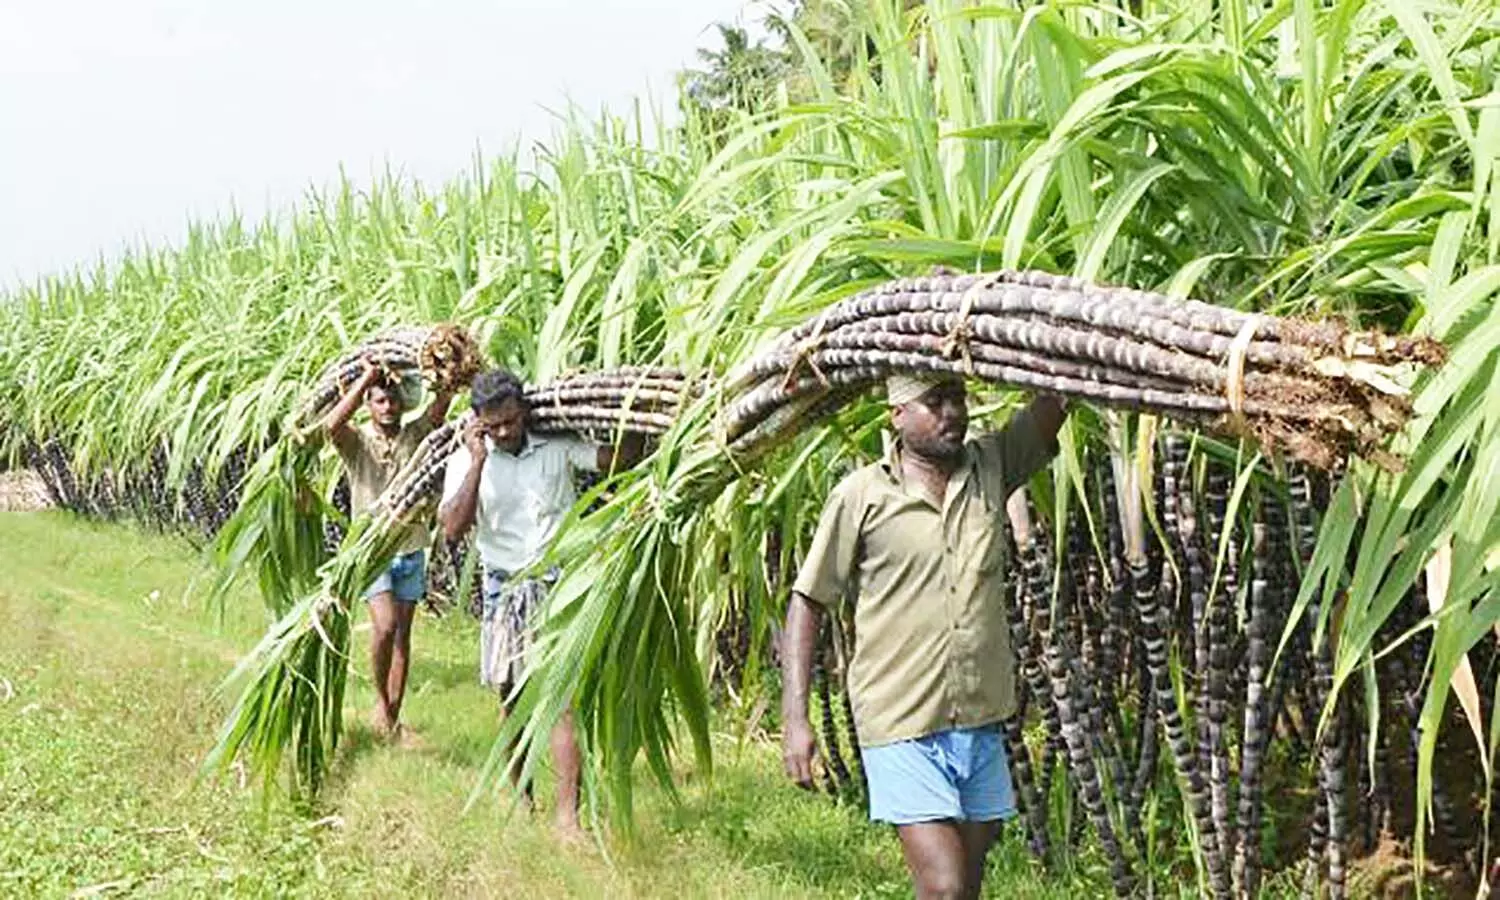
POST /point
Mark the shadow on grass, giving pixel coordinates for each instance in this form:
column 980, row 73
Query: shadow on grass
column 357, row 741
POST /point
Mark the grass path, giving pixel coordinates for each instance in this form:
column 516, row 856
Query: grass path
column 107, row 669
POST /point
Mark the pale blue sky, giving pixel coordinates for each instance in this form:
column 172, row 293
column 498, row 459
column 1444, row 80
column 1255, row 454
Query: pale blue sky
column 123, row 119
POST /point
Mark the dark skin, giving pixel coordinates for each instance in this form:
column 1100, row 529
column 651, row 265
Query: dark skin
column 505, row 424
column 945, row 858
column 390, row 621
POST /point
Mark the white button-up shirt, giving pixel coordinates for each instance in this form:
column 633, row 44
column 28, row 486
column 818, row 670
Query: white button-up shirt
column 523, row 497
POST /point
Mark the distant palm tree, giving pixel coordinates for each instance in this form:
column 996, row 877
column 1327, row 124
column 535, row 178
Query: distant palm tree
column 739, row 76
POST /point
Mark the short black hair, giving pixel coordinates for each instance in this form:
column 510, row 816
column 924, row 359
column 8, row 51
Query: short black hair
column 493, row 388
column 388, row 384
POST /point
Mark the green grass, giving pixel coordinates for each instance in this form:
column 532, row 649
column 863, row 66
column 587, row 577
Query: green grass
column 109, row 665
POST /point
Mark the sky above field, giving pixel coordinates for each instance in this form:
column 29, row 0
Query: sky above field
column 124, row 119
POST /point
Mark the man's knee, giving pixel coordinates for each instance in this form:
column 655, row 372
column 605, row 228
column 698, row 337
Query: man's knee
column 943, row 882
column 384, row 618
column 401, row 622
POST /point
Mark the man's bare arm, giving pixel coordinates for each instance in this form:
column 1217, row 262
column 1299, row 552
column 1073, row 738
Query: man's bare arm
column 622, row 455
column 458, row 513
column 337, row 424
column 797, row 644
column 1048, row 412
column 437, row 413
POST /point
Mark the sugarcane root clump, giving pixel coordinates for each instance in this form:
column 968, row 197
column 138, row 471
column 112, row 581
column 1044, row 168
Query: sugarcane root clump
column 445, row 356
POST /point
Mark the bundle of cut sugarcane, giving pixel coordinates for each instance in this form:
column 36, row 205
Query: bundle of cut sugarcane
column 445, row 356
column 1316, row 390
column 277, row 528
column 638, row 399
column 643, row 399
column 293, row 682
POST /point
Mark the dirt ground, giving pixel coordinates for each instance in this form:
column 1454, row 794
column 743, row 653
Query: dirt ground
column 22, row 491
column 1388, row 874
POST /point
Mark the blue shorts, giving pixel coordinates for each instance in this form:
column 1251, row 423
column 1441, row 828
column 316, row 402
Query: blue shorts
column 960, row 775
column 406, row 579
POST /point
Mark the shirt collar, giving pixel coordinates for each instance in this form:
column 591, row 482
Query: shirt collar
column 890, row 461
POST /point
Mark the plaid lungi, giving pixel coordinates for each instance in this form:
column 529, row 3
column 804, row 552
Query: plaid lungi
column 505, row 626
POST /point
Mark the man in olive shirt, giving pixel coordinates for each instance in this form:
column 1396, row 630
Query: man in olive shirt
column 915, row 544
column 372, row 455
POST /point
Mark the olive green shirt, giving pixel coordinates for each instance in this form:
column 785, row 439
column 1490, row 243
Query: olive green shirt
column 372, row 461
column 932, row 647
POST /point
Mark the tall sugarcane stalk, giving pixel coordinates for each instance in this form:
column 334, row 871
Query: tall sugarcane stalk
column 1190, row 542
column 1029, row 682
column 1073, row 723
column 1257, row 734
column 1155, row 619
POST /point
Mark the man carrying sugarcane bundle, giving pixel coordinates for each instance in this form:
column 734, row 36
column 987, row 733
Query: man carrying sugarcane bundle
column 915, row 544
column 516, row 487
column 372, row 455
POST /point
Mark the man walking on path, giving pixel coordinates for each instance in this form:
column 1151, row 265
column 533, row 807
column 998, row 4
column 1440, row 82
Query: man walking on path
column 517, row 488
column 372, row 455
column 915, row 544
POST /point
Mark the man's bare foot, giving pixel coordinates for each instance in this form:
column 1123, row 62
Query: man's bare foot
column 381, row 724
column 569, row 832
column 402, row 736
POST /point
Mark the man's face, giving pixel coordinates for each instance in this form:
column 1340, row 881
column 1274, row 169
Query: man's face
column 934, row 424
column 505, row 423
column 385, row 406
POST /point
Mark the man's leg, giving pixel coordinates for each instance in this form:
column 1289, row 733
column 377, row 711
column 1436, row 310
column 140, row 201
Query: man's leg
column 936, row 857
column 400, row 657
column 382, row 643
column 513, row 771
column 408, row 584
column 912, row 787
column 567, row 761
column 978, row 838
column 986, row 796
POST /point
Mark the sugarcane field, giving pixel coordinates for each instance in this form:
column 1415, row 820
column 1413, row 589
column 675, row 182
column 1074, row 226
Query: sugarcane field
column 957, row 448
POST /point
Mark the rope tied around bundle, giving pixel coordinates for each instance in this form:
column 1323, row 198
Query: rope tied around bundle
column 1234, row 380
column 960, row 335
column 803, row 351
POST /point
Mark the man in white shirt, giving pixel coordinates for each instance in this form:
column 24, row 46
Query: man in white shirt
column 516, row 488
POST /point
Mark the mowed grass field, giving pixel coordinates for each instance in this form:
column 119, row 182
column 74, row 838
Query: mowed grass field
column 108, row 668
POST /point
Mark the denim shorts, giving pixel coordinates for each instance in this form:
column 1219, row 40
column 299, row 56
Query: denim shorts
column 406, row 579
column 960, row 775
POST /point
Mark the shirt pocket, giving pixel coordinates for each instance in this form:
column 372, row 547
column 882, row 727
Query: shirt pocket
column 991, row 549
column 986, row 527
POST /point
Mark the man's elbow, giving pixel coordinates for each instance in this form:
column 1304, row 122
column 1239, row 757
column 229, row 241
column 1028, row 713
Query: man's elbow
column 803, row 608
column 451, row 530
